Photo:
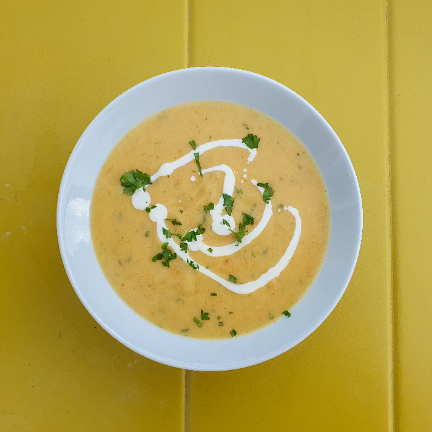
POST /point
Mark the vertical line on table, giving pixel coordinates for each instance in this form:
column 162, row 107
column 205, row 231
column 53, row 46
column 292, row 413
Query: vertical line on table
column 187, row 32
column 391, row 420
column 187, row 424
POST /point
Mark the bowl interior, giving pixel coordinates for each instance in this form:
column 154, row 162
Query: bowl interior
column 157, row 94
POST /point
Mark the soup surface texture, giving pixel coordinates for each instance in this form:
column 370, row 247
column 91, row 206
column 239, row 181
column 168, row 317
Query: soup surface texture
column 170, row 251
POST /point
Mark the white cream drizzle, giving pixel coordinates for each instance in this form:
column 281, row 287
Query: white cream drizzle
column 141, row 200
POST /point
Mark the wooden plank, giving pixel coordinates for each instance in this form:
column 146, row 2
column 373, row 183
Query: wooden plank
column 334, row 55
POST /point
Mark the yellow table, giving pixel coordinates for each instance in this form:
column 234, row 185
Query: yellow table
column 366, row 66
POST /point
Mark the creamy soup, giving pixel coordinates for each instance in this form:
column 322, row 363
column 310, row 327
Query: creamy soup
column 219, row 224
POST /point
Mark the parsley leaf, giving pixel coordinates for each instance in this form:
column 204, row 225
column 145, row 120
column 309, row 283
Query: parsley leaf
column 221, row 324
column 232, row 278
column 174, row 221
column 193, row 144
column 225, row 222
column 251, row 141
column 183, row 247
column 286, row 313
column 204, row 315
column 166, row 256
column 133, row 180
column 149, row 209
column 210, row 250
column 209, row 207
column 166, row 233
column 240, row 234
column 200, row 230
column 233, row 332
column 192, row 264
column 228, row 203
column 268, row 191
column 196, row 155
column 213, row 295
column 248, row 220
column 192, row 235
column 197, row 322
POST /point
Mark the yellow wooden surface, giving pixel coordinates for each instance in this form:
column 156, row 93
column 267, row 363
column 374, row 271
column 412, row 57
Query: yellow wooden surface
column 410, row 32
column 62, row 62
column 333, row 54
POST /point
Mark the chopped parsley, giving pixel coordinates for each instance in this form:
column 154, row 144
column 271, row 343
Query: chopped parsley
column 232, row 278
column 183, row 247
column 210, row 250
column 209, row 207
column 193, row 144
column 133, row 180
column 181, row 211
column 247, row 220
column 196, row 155
column 147, row 233
column 166, row 233
column 233, row 332
column 268, row 191
column 174, row 221
column 225, row 222
column 192, row 264
column 204, row 315
column 192, row 235
column 218, row 317
column 286, row 313
column 221, row 324
column 197, row 322
column 251, row 141
column 213, row 294
column 228, row 203
column 166, row 256
column 149, row 209
column 185, row 330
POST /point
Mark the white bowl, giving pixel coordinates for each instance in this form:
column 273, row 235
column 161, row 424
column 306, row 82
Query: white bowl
column 159, row 93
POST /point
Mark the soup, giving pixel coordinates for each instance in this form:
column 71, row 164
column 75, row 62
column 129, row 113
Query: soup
column 219, row 224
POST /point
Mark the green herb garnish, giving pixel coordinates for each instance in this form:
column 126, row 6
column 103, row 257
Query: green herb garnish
column 221, row 324
column 192, row 235
column 193, row 144
column 209, row 207
column 197, row 322
column 204, row 315
column 149, row 209
column 232, row 278
column 228, row 203
column 233, row 332
column 192, row 264
column 166, row 233
column 196, row 155
column 268, row 191
column 251, row 141
column 174, row 221
column 247, row 220
column 181, row 211
column 286, row 313
column 166, row 256
column 133, row 180
column 210, row 250
column 147, row 233
column 213, row 294
column 225, row 222
column 183, row 247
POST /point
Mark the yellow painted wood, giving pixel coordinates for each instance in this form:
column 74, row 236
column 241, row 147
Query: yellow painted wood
column 410, row 34
column 61, row 63
column 332, row 53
